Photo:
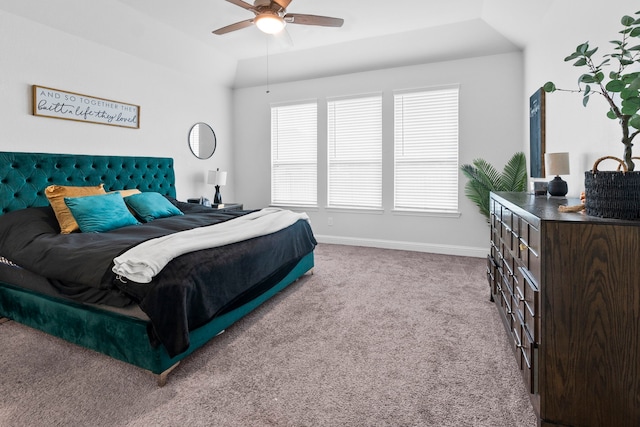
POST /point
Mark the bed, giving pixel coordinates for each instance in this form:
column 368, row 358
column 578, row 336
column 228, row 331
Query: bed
column 66, row 291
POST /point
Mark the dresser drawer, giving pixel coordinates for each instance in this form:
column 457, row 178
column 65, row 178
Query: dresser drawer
column 506, row 227
column 492, row 273
column 526, row 353
column 528, row 294
column 529, row 351
column 505, row 293
column 529, row 246
column 509, row 262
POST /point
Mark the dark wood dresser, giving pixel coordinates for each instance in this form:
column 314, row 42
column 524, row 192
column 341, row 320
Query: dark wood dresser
column 567, row 287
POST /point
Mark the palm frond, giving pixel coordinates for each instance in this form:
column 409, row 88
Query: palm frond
column 514, row 177
column 487, row 174
column 484, row 178
column 478, row 194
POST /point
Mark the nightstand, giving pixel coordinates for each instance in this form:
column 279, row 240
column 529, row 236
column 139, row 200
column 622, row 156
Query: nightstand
column 227, row 207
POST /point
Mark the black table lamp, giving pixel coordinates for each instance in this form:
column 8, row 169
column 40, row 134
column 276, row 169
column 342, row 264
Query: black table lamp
column 557, row 164
column 218, row 179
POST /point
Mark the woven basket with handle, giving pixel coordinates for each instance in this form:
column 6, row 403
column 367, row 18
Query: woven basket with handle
column 612, row 194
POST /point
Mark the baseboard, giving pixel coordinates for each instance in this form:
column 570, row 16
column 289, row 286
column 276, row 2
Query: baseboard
column 405, row 246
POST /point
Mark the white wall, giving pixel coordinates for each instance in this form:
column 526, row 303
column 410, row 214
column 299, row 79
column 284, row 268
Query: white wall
column 491, row 126
column 155, row 72
column 585, row 133
column 171, row 97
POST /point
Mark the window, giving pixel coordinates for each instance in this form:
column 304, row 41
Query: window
column 294, row 154
column 426, row 150
column 355, row 152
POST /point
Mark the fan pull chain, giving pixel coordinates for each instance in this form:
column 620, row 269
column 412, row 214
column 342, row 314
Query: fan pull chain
column 267, row 39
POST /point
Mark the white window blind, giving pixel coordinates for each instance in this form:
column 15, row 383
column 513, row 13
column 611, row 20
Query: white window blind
column 426, row 150
column 294, row 155
column 355, row 152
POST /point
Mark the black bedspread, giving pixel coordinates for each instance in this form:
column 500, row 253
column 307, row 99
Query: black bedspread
column 191, row 290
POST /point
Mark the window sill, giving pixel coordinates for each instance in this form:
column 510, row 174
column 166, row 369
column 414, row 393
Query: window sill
column 375, row 211
column 405, row 212
column 296, row 207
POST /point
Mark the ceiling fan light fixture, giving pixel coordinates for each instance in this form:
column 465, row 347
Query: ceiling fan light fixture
column 269, row 23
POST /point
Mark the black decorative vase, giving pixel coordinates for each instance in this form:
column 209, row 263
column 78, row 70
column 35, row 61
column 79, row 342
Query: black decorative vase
column 558, row 187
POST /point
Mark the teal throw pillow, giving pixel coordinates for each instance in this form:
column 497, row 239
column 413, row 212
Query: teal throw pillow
column 150, row 205
column 100, row 213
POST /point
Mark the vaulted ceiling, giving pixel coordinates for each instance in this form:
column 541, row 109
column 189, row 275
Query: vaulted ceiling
column 375, row 34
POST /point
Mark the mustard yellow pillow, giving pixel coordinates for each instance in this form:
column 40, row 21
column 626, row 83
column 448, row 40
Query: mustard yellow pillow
column 126, row 193
column 56, row 195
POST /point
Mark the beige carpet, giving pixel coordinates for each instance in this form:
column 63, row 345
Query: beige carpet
column 374, row 338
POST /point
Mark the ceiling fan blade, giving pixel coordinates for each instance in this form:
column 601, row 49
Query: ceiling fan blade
column 233, row 27
column 243, row 5
column 284, row 38
column 282, row 3
column 302, row 19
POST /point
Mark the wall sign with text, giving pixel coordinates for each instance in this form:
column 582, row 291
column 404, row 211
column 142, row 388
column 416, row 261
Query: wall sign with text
column 60, row 104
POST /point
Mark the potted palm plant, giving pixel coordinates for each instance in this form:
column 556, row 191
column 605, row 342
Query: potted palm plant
column 484, row 178
column 613, row 194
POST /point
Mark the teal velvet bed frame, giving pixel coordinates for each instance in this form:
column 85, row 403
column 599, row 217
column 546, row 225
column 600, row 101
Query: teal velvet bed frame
column 23, row 178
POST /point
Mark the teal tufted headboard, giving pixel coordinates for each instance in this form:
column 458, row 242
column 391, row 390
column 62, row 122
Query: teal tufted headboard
column 24, row 176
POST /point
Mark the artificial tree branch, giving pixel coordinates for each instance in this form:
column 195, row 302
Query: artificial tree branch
column 626, row 85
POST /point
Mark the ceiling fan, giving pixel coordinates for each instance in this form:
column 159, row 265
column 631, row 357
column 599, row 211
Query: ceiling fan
column 271, row 17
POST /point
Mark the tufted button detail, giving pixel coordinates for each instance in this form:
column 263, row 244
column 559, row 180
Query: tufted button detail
column 146, row 173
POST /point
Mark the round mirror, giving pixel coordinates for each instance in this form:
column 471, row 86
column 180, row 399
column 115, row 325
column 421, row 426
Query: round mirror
column 202, row 140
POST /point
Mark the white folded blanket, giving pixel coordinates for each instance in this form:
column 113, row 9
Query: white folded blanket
column 142, row 262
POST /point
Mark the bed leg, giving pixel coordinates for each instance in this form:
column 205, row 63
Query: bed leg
column 3, row 320
column 162, row 377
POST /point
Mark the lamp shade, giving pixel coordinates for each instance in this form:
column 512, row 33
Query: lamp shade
column 556, row 164
column 217, row 177
column 269, row 23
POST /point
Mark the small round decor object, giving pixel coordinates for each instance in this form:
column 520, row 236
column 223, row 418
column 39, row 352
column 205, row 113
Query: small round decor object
column 202, row 140
column 558, row 187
